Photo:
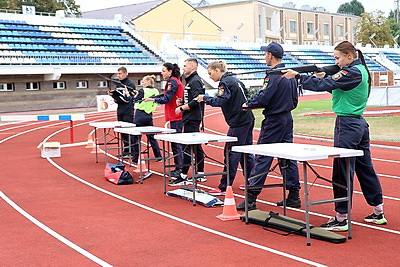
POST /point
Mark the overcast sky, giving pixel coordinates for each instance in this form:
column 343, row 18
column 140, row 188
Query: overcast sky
column 331, row 6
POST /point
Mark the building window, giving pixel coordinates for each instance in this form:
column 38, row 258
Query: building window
column 59, row 85
column 269, row 24
column 326, row 29
column 32, row 86
column 6, row 87
column 81, row 84
column 102, row 84
column 310, row 28
column 340, row 31
column 293, row 26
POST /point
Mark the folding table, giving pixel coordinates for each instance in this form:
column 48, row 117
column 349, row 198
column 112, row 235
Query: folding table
column 108, row 131
column 191, row 140
column 303, row 153
column 139, row 131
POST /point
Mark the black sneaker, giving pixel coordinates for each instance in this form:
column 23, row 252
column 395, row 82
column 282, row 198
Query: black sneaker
column 200, row 179
column 334, row 225
column 175, row 173
column 251, row 205
column 290, row 202
column 178, row 182
column 377, row 219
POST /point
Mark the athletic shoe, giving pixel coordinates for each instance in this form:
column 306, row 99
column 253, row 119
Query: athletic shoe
column 216, row 192
column 125, row 155
column 334, row 225
column 290, row 202
column 377, row 219
column 251, row 206
column 175, row 173
column 251, row 203
column 178, row 182
column 200, row 179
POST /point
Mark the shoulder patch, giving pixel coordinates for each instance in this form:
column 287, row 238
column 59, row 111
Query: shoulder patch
column 169, row 86
column 221, row 90
column 339, row 75
column 266, row 82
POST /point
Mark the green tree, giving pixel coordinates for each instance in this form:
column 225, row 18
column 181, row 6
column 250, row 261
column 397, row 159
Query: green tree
column 374, row 24
column 354, row 7
column 50, row 6
column 395, row 29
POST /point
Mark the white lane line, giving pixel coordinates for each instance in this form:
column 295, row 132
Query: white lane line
column 240, row 240
column 52, row 232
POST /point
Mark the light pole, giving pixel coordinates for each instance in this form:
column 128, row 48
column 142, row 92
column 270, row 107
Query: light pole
column 370, row 38
column 183, row 23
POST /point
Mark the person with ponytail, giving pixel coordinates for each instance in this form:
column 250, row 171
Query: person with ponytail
column 350, row 89
column 230, row 97
column 144, row 115
column 173, row 92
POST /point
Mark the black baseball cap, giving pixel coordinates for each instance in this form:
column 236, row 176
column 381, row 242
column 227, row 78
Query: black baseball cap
column 274, row 48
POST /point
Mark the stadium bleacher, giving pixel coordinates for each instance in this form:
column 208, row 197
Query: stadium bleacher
column 66, row 43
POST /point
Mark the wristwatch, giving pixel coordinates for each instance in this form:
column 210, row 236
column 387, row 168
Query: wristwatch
column 181, row 108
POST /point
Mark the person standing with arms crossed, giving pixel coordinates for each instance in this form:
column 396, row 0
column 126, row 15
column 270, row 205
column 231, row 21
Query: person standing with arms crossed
column 172, row 92
column 144, row 115
column 278, row 97
column 231, row 95
column 192, row 115
column 350, row 89
column 125, row 108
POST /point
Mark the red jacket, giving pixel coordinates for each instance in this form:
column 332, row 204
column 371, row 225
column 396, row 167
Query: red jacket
column 173, row 90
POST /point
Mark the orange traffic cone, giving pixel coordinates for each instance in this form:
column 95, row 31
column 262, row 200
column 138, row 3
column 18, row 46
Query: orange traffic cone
column 229, row 212
column 144, row 168
column 90, row 143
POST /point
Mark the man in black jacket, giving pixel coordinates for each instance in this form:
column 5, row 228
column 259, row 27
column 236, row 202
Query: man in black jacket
column 125, row 108
column 192, row 116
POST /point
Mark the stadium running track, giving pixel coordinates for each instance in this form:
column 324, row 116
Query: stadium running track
column 62, row 212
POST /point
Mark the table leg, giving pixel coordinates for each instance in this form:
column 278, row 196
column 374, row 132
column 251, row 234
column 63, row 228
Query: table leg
column 306, row 204
column 105, row 145
column 194, row 178
column 246, row 190
column 349, row 200
column 164, row 173
column 139, row 142
column 283, row 170
column 95, row 143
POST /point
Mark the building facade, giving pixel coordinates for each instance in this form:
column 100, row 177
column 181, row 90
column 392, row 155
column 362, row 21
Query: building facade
column 258, row 21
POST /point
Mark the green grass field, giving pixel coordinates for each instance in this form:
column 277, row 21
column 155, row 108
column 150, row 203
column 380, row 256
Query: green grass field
column 383, row 128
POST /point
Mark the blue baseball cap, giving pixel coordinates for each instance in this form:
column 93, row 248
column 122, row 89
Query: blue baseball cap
column 274, row 48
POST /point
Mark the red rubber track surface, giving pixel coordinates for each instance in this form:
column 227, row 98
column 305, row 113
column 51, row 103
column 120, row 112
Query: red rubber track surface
column 137, row 225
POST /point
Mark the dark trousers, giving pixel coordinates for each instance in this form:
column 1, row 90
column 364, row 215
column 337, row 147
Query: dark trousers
column 144, row 119
column 353, row 132
column 244, row 135
column 126, row 117
column 191, row 127
column 177, row 148
column 275, row 129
